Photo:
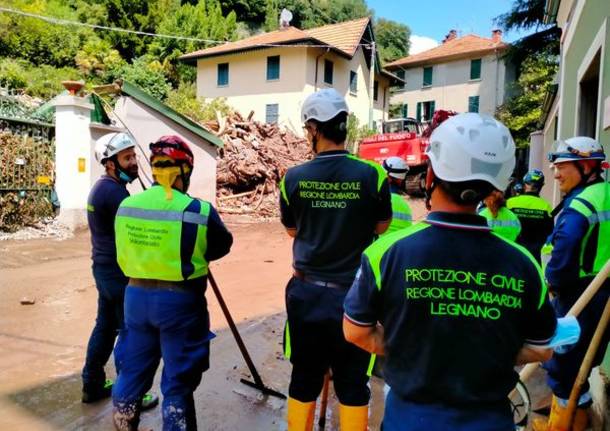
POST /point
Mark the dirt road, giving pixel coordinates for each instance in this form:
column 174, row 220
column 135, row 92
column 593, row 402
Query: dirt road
column 42, row 346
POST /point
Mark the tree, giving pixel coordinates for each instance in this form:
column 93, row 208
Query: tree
column 392, row 39
column 252, row 11
column 146, row 73
column 96, row 57
column 522, row 112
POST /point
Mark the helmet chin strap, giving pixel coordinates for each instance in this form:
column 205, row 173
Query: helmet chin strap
column 430, row 186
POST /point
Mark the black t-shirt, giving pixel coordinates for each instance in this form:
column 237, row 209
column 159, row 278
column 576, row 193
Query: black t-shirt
column 334, row 201
column 102, row 205
column 457, row 303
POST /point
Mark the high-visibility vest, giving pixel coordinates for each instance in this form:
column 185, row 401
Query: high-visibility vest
column 528, row 206
column 594, row 204
column 401, row 214
column 505, row 224
column 149, row 236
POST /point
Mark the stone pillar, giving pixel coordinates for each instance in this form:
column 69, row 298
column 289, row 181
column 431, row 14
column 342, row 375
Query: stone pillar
column 72, row 157
column 536, row 160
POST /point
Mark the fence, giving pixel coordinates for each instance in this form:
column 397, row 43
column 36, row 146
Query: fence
column 27, row 157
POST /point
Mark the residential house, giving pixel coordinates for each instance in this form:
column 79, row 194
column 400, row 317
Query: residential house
column 272, row 73
column 463, row 74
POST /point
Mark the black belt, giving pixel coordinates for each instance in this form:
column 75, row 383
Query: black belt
column 185, row 286
column 331, row 284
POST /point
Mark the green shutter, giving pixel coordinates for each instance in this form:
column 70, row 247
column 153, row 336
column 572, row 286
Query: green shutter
column 427, row 76
column 432, row 107
column 223, row 74
column 473, row 104
column 418, row 112
column 273, row 67
column 475, row 69
column 404, row 110
column 401, row 75
column 328, row 71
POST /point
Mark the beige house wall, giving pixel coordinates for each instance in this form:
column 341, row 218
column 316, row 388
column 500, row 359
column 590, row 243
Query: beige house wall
column 249, row 90
column 451, row 86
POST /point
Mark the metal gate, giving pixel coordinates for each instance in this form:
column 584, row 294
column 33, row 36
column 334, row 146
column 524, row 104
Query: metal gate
column 27, row 166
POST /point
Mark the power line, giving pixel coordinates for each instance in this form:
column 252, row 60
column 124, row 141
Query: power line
column 65, row 22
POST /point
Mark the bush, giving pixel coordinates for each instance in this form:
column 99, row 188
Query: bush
column 355, row 132
column 42, row 81
column 146, row 73
column 185, row 101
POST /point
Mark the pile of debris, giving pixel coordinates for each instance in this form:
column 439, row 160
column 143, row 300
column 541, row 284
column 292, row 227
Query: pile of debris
column 254, row 159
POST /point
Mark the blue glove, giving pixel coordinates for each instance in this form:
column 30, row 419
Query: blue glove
column 566, row 334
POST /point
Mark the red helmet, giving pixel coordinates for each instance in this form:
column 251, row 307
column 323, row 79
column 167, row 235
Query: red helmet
column 173, row 147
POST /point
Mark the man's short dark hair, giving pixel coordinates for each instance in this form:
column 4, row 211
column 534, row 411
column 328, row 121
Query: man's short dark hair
column 466, row 192
column 334, row 129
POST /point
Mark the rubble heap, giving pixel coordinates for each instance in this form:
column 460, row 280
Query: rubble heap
column 250, row 166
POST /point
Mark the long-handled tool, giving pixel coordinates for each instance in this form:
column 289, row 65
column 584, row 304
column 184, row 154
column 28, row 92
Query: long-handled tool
column 587, row 362
column 258, row 381
column 576, row 309
column 324, row 401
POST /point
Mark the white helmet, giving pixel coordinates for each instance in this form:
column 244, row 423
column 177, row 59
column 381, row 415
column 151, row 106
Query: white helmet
column 396, row 167
column 472, row 147
column 577, row 148
column 111, row 144
column 323, row 105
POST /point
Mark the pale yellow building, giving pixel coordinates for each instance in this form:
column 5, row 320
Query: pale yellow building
column 463, row 74
column 272, row 73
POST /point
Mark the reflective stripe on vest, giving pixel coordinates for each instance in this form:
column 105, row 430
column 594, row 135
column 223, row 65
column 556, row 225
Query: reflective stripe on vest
column 401, row 214
column 149, row 232
column 505, row 224
column 594, row 204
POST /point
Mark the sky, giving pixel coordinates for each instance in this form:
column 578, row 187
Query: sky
column 431, row 20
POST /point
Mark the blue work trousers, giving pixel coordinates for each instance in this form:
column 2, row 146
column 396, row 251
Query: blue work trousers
column 562, row 369
column 110, row 283
column 169, row 324
column 402, row 415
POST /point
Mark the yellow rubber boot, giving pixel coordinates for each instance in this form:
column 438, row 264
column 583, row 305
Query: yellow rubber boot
column 300, row 415
column 558, row 420
column 353, row 418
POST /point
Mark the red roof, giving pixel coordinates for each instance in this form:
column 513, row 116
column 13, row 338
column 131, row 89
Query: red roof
column 343, row 37
column 462, row 47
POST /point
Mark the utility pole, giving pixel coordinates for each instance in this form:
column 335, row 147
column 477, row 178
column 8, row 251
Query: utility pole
column 371, row 84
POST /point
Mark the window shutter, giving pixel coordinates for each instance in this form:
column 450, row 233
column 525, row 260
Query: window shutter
column 223, row 74
column 401, row 75
column 271, row 113
column 427, row 76
column 375, row 90
column 353, row 82
column 328, row 71
column 404, row 110
column 473, row 104
column 418, row 117
column 273, row 67
column 432, row 107
column 475, row 69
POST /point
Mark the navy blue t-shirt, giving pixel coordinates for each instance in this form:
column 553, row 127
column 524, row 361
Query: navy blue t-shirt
column 334, row 201
column 457, row 303
column 102, row 205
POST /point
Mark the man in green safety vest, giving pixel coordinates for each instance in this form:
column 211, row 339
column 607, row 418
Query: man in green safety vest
column 534, row 213
column 164, row 241
column 402, row 216
column 578, row 249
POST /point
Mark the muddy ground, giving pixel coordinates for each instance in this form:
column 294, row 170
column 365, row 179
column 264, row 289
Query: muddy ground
column 42, row 346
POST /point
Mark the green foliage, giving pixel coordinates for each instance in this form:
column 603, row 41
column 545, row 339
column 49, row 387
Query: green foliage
column 522, row 112
column 392, row 38
column 272, row 15
column 36, row 80
column 314, row 13
column 355, row 132
column 185, row 101
column 395, row 110
column 37, row 41
column 146, row 73
column 247, row 10
column 96, row 57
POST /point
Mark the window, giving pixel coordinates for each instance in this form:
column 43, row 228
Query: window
column 589, row 99
column 223, row 74
column 401, row 74
column 353, row 82
column 473, row 104
column 273, row 67
column 375, row 90
column 272, row 113
column 475, row 69
column 404, row 110
column 328, row 71
column 427, row 77
column 425, row 110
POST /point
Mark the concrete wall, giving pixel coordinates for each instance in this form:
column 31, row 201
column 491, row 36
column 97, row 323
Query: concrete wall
column 249, row 90
column 147, row 126
column 451, row 86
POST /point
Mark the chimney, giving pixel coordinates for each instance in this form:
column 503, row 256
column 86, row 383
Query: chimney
column 496, row 35
column 450, row 36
